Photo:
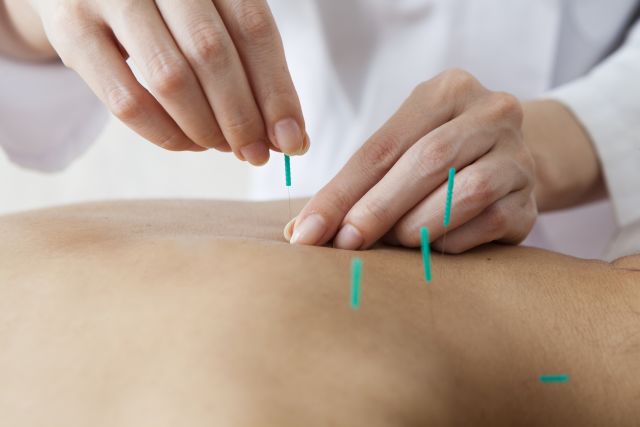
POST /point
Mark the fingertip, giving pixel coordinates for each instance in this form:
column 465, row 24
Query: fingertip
column 288, row 136
column 310, row 231
column 348, row 238
column 257, row 153
column 288, row 229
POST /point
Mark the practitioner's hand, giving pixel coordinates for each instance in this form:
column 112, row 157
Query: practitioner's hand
column 216, row 70
column 396, row 182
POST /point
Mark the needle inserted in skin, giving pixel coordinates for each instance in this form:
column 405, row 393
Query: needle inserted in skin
column 356, row 278
column 426, row 253
column 447, row 208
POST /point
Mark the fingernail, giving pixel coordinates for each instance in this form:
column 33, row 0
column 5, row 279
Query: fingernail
column 348, row 238
column 288, row 229
column 289, row 138
column 310, row 230
column 257, row 153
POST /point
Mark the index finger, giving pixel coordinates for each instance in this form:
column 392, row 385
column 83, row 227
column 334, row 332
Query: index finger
column 258, row 42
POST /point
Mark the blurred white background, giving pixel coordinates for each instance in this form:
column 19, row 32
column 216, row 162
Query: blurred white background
column 121, row 165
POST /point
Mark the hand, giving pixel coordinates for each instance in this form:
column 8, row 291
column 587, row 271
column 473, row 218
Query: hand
column 396, row 183
column 216, row 71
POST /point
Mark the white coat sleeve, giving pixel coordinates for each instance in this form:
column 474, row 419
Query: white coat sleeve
column 607, row 103
column 48, row 116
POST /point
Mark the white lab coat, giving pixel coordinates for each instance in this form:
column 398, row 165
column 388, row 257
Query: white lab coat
column 354, row 62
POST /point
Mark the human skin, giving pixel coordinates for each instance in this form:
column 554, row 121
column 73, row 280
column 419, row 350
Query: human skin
column 216, row 72
column 199, row 313
column 511, row 158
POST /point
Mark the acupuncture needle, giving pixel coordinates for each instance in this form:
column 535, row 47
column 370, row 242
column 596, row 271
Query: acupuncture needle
column 426, row 253
column 447, row 208
column 556, row 378
column 356, row 279
column 287, row 176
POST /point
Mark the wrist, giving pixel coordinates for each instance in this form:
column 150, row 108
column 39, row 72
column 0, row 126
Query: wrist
column 568, row 171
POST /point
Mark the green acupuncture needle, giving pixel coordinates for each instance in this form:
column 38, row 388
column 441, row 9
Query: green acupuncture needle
column 426, row 253
column 356, row 278
column 560, row 378
column 447, row 211
column 287, row 177
column 287, row 169
column 447, row 207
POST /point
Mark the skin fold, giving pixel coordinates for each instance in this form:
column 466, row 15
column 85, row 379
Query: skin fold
column 200, row 313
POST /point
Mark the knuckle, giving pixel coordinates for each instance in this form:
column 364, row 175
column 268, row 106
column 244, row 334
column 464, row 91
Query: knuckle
column 123, row 9
column 373, row 209
column 505, row 105
column 497, row 218
column 515, row 233
column 240, row 124
column 212, row 139
column 67, row 23
column 422, row 89
column 337, row 198
column 280, row 93
column 341, row 200
column 210, row 46
column 480, row 189
column 380, row 152
column 255, row 22
column 243, row 129
column 167, row 76
column 124, row 104
column 525, row 162
column 457, row 81
column 65, row 14
column 436, row 158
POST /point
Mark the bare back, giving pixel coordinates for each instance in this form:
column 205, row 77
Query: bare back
column 199, row 313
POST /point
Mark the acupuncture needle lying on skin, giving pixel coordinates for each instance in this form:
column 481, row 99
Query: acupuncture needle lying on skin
column 559, row 378
column 447, row 208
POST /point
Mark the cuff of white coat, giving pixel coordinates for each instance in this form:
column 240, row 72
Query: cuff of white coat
column 606, row 103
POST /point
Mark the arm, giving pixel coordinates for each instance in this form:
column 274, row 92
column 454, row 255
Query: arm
column 396, row 182
column 568, row 171
column 215, row 72
column 594, row 136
